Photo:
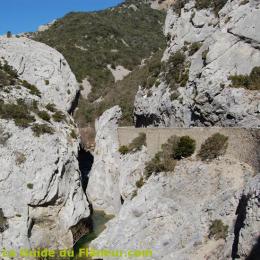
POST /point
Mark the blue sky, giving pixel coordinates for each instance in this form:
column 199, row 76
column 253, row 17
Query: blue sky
column 26, row 15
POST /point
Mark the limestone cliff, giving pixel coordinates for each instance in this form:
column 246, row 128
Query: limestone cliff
column 41, row 199
column 215, row 46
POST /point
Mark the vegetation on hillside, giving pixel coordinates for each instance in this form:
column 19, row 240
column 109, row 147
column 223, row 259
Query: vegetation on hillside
column 24, row 113
column 213, row 147
column 123, row 35
column 215, row 5
column 174, row 149
column 251, row 81
column 121, row 93
column 135, row 145
column 218, row 230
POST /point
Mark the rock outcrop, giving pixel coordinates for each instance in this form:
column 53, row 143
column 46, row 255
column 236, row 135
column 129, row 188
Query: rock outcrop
column 225, row 44
column 172, row 213
column 42, row 66
column 41, row 200
column 113, row 177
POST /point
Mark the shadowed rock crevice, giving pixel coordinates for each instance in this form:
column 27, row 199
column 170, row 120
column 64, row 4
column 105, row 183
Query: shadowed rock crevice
column 255, row 253
column 240, row 223
column 74, row 103
column 146, row 120
column 86, row 160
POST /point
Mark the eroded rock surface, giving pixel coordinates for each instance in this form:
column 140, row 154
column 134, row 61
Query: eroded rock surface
column 42, row 66
column 172, row 212
column 228, row 45
column 41, row 193
column 113, row 176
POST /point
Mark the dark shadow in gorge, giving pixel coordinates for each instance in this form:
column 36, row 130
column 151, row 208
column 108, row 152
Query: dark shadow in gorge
column 86, row 160
column 241, row 217
column 146, row 120
column 255, row 253
column 74, row 104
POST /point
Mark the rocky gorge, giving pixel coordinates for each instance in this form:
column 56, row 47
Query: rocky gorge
column 51, row 184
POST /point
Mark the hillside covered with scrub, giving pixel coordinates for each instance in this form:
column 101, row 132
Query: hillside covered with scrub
column 123, row 35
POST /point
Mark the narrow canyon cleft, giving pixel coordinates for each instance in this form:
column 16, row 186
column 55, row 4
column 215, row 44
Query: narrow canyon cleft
column 86, row 160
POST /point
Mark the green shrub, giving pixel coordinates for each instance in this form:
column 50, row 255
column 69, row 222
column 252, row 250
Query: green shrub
column 194, row 47
column 178, row 5
column 185, row 147
column 204, row 56
column 244, row 2
column 176, row 70
column 140, row 183
column 156, row 165
column 44, row 115
column 18, row 112
column 123, row 149
column 58, row 116
column 33, row 89
column 215, row 5
column 9, row 34
column 3, row 222
column 73, row 134
column 30, row 186
column 51, row 107
column 47, row 82
column 8, row 75
column 163, row 161
column 218, row 230
column 251, row 81
column 137, row 143
column 214, row 146
column 9, row 70
column 4, row 79
column 40, row 129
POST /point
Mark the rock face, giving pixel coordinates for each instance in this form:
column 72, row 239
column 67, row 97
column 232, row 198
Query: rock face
column 42, row 66
column 113, row 176
column 172, row 213
column 41, row 198
column 228, row 45
column 102, row 191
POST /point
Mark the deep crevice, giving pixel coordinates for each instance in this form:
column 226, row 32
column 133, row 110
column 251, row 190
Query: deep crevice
column 74, row 103
column 86, row 160
column 241, row 217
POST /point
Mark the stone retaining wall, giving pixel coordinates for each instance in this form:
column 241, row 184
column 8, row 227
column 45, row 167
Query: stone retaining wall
column 244, row 144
